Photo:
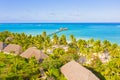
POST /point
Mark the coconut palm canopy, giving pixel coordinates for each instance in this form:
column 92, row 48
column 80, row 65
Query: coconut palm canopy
column 34, row 52
column 74, row 71
column 13, row 48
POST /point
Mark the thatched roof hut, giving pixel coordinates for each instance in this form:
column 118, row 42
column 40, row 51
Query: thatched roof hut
column 34, row 52
column 104, row 57
column 13, row 48
column 60, row 46
column 9, row 39
column 2, row 45
column 74, row 71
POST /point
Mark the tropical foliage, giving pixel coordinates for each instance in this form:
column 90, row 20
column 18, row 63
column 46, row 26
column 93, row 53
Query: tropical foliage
column 12, row 67
column 17, row 68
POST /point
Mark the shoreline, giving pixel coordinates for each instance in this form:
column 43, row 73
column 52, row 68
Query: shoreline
column 68, row 37
column 79, row 30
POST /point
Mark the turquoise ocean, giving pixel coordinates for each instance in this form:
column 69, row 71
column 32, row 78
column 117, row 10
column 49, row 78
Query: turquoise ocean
column 101, row 31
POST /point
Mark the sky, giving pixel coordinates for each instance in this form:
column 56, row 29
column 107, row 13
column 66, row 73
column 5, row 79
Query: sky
column 59, row 11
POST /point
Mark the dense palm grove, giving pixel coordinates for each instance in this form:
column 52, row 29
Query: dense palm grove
column 17, row 68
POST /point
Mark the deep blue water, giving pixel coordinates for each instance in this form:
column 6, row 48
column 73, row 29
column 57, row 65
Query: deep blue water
column 102, row 31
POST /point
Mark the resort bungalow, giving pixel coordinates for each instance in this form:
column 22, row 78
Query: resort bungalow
column 74, row 71
column 61, row 46
column 104, row 57
column 50, row 50
column 2, row 46
column 13, row 48
column 9, row 39
column 34, row 52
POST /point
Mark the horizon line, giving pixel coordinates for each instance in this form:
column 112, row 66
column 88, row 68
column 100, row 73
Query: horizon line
column 60, row 22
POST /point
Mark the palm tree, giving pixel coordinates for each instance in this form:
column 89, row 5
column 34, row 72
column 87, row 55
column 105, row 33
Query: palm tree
column 63, row 40
column 91, row 41
column 97, row 46
column 55, row 39
column 106, row 43
column 44, row 35
column 73, row 39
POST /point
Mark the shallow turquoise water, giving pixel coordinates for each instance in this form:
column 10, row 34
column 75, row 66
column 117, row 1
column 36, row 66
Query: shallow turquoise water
column 102, row 31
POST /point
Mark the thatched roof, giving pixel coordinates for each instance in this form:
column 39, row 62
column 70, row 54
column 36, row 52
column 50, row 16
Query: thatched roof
column 74, row 71
column 13, row 48
column 34, row 52
column 9, row 39
column 104, row 57
column 60, row 46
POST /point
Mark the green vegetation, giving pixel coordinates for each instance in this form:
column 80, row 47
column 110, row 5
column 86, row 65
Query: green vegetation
column 15, row 67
